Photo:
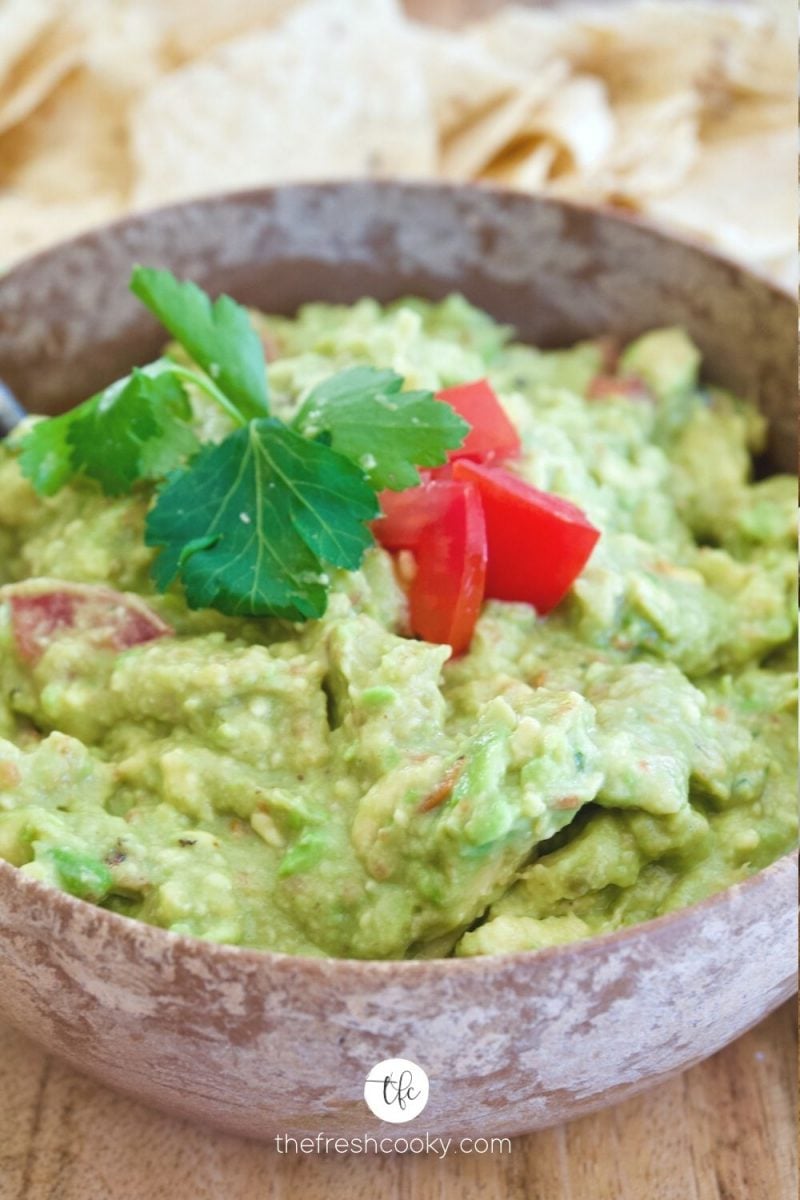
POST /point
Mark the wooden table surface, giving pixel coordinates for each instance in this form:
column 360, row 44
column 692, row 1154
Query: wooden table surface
column 723, row 1131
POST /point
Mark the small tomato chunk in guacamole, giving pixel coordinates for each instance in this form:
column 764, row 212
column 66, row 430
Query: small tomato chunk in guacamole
column 337, row 787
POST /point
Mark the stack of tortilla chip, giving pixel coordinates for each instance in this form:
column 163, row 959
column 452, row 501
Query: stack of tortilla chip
column 681, row 110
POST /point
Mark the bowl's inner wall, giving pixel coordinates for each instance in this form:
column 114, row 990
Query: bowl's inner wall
column 68, row 325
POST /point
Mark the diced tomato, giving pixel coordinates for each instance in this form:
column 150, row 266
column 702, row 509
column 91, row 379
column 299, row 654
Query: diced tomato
column 443, row 472
column 629, row 386
column 43, row 610
column 492, row 436
column 406, row 515
column 538, row 543
column 447, row 589
column 441, row 521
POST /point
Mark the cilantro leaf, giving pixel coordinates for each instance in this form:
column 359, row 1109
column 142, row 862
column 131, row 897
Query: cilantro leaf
column 387, row 432
column 135, row 429
column 252, row 525
column 218, row 336
column 45, row 456
column 137, row 432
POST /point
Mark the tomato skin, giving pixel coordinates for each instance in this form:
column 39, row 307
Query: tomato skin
column 629, row 386
column 538, row 543
column 492, row 435
column 447, row 590
column 44, row 610
column 407, row 515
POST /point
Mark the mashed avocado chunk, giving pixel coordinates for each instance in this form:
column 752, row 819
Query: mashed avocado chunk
column 340, row 788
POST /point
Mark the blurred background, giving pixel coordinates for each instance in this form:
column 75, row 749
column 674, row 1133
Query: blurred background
column 682, row 111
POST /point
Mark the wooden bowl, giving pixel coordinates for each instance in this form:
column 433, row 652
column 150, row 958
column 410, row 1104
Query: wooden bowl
column 260, row 1043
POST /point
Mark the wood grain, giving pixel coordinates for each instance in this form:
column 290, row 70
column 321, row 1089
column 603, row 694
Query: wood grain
column 723, row 1131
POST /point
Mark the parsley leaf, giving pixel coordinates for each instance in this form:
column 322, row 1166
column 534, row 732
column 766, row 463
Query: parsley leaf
column 387, row 432
column 141, row 432
column 45, row 456
column 252, row 525
column 218, row 336
column 136, row 429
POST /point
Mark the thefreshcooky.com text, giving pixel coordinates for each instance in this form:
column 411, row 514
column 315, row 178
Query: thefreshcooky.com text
column 368, row 1144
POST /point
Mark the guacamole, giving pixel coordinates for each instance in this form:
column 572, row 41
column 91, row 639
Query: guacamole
column 338, row 787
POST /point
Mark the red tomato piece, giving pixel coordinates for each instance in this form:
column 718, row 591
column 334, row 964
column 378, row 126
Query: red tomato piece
column 492, row 435
column 538, row 543
column 443, row 472
column 406, row 515
column 43, row 610
column 447, row 590
column 629, row 386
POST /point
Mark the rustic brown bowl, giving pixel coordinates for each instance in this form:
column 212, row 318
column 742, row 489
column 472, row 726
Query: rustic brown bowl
column 262, row 1043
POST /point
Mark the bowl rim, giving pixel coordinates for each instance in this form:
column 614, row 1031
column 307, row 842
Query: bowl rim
column 606, row 212
column 228, row 954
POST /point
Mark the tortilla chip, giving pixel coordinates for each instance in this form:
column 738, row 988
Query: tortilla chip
column 123, row 42
column 73, row 148
column 193, row 27
column 319, row 97
column 464, row 79
column 656, row 48
column 650, row 49
column 526, row 164
column 763, row 60
column 54, row 53
column 22, row 22
column 529, row 38
column 656, row 144
column 741, row 192
column 570, row 134
column 579, row 119
column 475, row 145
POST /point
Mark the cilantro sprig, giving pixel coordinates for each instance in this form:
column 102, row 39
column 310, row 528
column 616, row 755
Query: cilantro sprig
column 137, row 429
column 251, row 525
column 218, row 336
column 387, row 431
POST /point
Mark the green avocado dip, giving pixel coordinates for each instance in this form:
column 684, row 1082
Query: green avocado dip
column 336, row 787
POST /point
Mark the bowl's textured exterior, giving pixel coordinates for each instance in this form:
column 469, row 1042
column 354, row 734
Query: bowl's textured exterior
column 260, row 1044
